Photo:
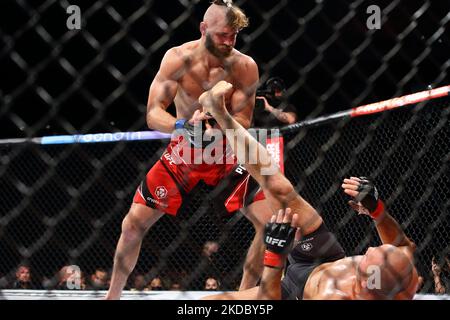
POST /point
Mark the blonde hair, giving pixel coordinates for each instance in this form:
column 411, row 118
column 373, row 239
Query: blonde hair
column 236, row 18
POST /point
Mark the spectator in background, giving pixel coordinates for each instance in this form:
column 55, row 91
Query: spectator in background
column 272, row 109
column 211, row 284
column 439, row 286
column 176, row 286
column 208, row 265
column 420, row 284
column 209, row 249
column 4, row 283
column 156, row 284
column 177, row 280
column 139, row 283
column 99, row 279
column 69, row 278
column 63, row 276
column 83, row 285
column 23, row 278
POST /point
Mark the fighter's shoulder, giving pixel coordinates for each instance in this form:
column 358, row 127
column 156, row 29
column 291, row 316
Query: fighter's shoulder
column 187, row 48
column 180, row 55
column 243, row 60
column 245, row 68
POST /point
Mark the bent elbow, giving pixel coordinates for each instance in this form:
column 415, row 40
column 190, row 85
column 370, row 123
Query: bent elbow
column 149, row 123
column 279, row 187
column 150, row 118
column 412, row 246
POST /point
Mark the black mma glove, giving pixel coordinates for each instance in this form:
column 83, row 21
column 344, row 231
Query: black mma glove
column 278, row 238
column 193, row 133
column 369, row 198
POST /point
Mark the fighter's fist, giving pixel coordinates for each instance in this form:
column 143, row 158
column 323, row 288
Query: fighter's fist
column 213, row 100
column 365, row 194
column 278, row 237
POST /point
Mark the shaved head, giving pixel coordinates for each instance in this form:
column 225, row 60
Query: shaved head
column 215, row 14
column 395, row 269
column 220, row 14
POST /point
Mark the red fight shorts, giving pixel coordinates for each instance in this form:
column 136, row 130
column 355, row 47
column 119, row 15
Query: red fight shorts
column 173, row 176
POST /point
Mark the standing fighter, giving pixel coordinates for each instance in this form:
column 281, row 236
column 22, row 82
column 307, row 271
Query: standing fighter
column 318, row 267
column 186, row 72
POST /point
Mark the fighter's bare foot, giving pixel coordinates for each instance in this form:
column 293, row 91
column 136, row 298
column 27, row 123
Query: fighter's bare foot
column 213, row 100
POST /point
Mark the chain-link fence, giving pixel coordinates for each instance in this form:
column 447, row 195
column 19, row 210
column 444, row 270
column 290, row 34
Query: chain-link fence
column 63, row 204
column 322, row 49
column 405, row 151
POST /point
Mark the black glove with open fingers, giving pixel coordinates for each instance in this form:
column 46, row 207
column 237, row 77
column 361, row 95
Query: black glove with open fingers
column 368, row 194
column 367, row 201
column 278, row 237
column 194, row 133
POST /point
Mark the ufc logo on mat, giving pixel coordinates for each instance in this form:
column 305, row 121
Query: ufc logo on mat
column 274, row 241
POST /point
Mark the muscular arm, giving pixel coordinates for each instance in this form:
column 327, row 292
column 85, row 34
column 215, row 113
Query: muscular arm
column 388, row 228
column 270, row 285
column 162, row 92
column 390, row 232
column 243, row 98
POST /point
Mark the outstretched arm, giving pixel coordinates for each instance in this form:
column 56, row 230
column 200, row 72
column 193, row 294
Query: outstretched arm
column 367, row 202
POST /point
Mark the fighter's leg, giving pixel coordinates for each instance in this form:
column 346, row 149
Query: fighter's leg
column 134, row 226
column 257, row 160
column 281, row 194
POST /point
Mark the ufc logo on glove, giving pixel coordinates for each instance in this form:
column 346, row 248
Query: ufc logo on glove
column 274, row 241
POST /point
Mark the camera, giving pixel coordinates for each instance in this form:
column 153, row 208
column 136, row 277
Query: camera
column 268, row 91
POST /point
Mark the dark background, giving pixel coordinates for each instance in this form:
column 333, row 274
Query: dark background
column 64, row 204
column 56, row 81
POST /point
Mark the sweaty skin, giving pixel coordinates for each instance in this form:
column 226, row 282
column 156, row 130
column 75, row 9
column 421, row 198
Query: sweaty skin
column 190, row 69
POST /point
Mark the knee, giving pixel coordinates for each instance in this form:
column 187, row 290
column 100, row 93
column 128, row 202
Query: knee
column 131, row 230
column 280, row 188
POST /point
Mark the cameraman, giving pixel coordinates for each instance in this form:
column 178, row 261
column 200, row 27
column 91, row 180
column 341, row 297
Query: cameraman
column 271, row 107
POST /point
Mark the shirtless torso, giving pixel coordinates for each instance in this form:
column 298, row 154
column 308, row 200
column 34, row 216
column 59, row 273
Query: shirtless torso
column 188, row 70
column 337, row 281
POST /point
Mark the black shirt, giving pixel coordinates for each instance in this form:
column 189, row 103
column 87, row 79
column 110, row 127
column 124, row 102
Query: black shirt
column 265, row 119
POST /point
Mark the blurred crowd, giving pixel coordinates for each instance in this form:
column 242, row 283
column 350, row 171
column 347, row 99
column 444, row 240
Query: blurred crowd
column 206, row 276
column 71, row 277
